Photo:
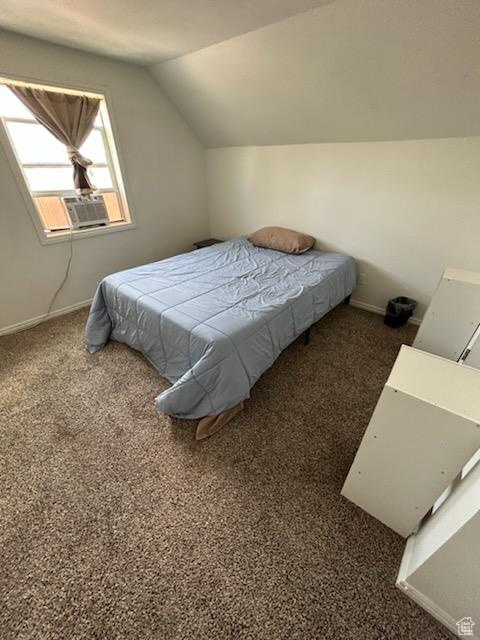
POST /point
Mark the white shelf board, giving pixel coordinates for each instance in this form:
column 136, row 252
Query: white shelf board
column 438, row 381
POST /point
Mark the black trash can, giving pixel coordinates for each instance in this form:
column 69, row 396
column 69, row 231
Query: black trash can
column 399, row 311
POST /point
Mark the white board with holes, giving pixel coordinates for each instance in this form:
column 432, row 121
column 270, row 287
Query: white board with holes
column 425, row 427
column 453, row 317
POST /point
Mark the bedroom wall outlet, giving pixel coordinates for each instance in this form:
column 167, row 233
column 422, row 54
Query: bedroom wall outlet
column 362, row 279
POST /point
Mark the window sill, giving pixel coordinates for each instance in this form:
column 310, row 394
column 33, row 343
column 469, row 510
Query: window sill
column 64, row 236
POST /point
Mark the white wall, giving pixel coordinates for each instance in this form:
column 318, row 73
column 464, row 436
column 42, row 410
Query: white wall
column 349, row 71
column 404, row 210
column 394, row 85
column 163, row 167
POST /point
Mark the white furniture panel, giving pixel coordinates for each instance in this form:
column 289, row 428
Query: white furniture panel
column 452, row 316
column 441, row 566
column 424, row 429
column 471, row 355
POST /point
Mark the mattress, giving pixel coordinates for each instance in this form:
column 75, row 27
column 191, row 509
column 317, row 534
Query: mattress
column 213, row 320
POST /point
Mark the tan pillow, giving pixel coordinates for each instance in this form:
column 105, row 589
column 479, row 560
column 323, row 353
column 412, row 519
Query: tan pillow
column 282, row 240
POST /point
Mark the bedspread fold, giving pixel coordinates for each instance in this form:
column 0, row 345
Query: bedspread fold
column 213, row 320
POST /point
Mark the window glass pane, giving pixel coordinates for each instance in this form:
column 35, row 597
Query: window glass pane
column 11, row 106
column 36, row 145
column 94, row 149
column 36, row 148
column 101, row 178
column 48, row 179
column 61, row 178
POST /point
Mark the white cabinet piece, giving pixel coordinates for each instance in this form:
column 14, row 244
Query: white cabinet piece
column 440, row 569
column 425, row 427
column 452, row 317
column 471, row 355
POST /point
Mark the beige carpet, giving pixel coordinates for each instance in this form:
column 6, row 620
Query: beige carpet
column 116, row 524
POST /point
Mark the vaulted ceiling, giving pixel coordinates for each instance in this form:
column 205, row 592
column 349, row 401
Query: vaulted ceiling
column 351, row 70
column 143, row 30
column 269, row 72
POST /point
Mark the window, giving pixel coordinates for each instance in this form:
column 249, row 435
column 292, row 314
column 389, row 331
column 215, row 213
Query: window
column 47, row 171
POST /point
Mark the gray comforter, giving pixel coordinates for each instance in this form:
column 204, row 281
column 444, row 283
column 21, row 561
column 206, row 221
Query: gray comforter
column 213, row 320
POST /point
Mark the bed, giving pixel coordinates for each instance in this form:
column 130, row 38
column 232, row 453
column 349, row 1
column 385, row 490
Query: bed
column 211, row 321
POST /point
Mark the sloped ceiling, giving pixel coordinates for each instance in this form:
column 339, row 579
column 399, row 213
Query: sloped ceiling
column 143, row 30
column 351, row 70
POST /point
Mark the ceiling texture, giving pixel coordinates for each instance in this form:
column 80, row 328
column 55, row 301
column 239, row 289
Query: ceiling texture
column 349, row 71
column 144, row 30
column 269, row 72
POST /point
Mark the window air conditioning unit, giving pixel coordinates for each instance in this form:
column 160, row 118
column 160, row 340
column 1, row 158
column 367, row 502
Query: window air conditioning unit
column 86, row 212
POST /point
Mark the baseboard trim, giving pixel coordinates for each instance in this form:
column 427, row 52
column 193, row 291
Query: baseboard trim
column 379, row 310
column 25, row 324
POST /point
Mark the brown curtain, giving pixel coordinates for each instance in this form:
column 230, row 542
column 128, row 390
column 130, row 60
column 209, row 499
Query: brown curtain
column 70, row 118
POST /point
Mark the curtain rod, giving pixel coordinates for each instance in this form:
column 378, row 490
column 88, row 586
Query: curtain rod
column 37, row 85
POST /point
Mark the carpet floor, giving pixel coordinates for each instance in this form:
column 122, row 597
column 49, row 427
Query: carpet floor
column 116, row 524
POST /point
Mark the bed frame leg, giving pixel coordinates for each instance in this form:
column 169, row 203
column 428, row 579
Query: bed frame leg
column 306, row 336
column 347, row 299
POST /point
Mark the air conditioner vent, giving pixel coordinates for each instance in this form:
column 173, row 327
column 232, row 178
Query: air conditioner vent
column 86, row 212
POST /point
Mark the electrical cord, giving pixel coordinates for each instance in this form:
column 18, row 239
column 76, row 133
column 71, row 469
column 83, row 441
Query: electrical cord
column 54, row 297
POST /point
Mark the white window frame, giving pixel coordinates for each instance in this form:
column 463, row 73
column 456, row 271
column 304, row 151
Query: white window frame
column 108, row 131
